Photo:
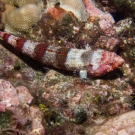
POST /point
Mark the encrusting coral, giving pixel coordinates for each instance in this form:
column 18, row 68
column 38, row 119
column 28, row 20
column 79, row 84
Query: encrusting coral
column 9, row 8
column 8, row 2
column 20, row 16
column 23, row 18
column 20, row 3
column 2, row 9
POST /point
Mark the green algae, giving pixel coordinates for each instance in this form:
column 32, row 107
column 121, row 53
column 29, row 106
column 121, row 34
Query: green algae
column 18, row 64
column 80, row 115
column 127, row 6
column 56, row 79
column 52, row 117
column 5, row 119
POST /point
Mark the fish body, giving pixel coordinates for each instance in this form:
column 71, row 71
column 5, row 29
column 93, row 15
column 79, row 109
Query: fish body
column 93, row 62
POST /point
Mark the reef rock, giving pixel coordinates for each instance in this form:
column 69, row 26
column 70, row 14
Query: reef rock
column 123, row 124
column 17, row 101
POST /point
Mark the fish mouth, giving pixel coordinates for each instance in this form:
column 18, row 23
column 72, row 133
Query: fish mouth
column 108, row 62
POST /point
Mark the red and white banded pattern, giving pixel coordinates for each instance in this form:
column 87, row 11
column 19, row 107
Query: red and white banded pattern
column 95, row 63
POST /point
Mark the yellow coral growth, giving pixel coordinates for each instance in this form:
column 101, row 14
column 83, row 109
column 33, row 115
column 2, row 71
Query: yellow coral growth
column 20, row 3
column 9, row 8
column 23, row 18
column 8, row 1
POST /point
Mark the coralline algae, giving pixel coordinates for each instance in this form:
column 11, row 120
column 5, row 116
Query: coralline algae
column 65, row 103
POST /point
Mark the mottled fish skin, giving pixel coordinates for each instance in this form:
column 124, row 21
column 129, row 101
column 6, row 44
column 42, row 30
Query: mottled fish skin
column 96, row 63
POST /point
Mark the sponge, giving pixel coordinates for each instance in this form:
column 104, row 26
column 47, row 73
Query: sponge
column 75, row 6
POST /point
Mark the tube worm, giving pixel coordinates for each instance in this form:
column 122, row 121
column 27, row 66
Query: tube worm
column 91, row 62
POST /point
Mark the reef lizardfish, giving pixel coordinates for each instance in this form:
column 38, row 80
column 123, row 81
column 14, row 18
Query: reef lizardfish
column 91, row 62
